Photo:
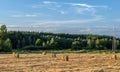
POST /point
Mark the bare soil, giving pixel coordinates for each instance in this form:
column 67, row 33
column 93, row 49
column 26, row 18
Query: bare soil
column 47, row 63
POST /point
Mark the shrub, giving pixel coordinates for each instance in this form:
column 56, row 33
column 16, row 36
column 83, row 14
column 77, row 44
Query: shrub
column 30, row 47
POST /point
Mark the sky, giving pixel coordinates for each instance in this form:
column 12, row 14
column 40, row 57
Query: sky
column 62, row 16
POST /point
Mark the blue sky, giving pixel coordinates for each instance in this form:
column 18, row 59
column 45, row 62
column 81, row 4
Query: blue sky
column 61, row 16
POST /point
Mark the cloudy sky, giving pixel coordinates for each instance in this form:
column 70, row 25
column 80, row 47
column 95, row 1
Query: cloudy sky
column 62, row 16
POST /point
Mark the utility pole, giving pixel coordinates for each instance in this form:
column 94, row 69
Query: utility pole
column 114, row 41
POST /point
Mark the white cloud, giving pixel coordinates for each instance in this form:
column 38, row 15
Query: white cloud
column 80, row 4
column 58, row 29
column 49, row 2
column 16, row 15
column 85, row 30
column 62, row 8
column 30, row 15
column 83, row 8
column 86, row 5
column 63, row 12
column 23, row 15
column 59, row 22
column 55, row 23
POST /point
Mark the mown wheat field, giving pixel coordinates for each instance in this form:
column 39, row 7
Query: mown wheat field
column 47, row 63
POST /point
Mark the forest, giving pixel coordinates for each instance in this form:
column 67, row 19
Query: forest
column 26, row 40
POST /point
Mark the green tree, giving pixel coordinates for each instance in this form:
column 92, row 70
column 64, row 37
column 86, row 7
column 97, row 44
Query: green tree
column 89, row 42
column 5, row 42
column 7, row 45
column 97, row 43
column 77, row 44
column 38, row 42
column 53, row 43
column 23, row 42
column 29, row 39
column 48, row 42
column 1, row 44
column 43, row 44
column 117, row 43
column 18, row 44
column 3, row 32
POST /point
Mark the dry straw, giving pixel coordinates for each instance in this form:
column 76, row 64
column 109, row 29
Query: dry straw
column 99, row 70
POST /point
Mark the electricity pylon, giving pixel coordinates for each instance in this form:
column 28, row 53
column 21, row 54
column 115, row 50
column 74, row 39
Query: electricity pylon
column 114, row 41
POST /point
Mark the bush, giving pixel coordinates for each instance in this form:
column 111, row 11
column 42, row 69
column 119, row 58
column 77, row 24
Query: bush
column 32, row 47
column 87, row 48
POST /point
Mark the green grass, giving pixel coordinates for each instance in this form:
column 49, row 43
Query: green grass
column 66, row 51
column 62, row 51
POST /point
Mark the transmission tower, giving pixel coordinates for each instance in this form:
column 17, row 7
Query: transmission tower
column 114, row 41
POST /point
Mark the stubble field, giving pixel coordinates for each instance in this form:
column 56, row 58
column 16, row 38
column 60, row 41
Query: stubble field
column 46, row 63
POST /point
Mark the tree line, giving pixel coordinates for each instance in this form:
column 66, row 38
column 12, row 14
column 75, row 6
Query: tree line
column 25, row 40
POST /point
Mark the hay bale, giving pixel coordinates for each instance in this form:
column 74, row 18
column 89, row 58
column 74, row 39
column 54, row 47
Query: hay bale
column 104, row 53
column 13, row 54
column 44, row 53
column 54, row 55
column 66, row 58
column 16, row 55
column 92, row 56
column 114, row 57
